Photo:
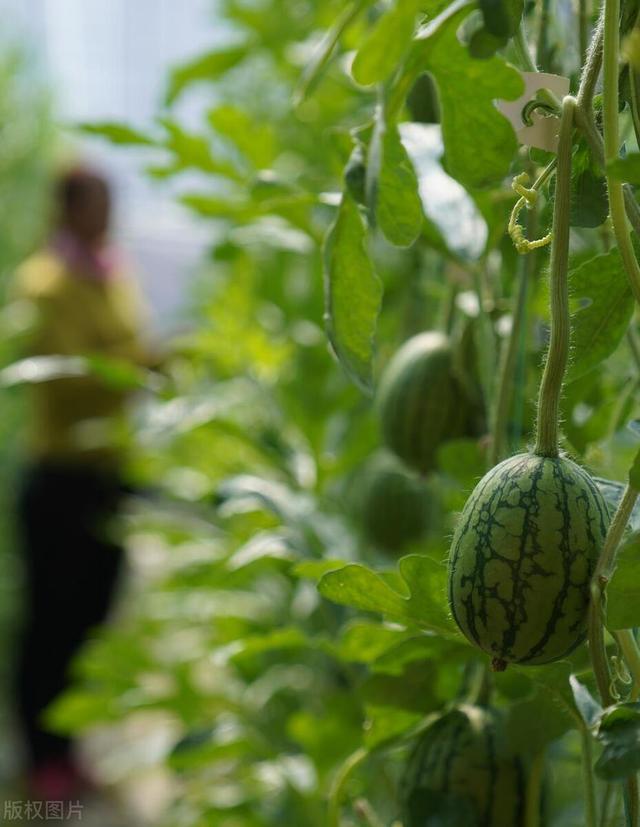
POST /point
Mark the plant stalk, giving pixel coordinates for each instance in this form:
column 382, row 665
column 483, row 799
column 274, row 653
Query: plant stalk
column 336, row 793
column 592, row 66
column 510, row 355
column 597, row 648
column 558, row 353
column 591, row 815
column 534, row 790
column 542, row 50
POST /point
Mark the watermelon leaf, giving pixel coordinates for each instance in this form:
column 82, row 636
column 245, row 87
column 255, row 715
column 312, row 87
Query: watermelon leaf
column 353, row 294
column 623, row 589
column 386, row 43
column 392, row 185
column 117, row 133
column 619, row 732
column 480, row 142
column 207, row 67
column 598, row 327
column 626, row 169
column 425, row 606
column 501, row 17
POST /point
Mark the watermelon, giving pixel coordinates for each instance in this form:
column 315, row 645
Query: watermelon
column 460, row 771
column 422, row 403
column 396, row 507
column 522, row 557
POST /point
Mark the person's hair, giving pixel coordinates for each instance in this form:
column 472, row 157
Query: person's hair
column 74, row 187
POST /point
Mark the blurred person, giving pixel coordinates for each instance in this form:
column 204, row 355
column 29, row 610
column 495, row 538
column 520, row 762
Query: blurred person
column 83, row 302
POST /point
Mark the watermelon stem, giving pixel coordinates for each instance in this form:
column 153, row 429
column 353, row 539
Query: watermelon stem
column 534, row 789
column 558, row 353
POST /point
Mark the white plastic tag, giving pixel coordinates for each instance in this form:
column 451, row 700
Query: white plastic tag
column 543, row 133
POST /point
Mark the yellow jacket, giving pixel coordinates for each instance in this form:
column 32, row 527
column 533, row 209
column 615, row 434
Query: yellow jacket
column 75, row 419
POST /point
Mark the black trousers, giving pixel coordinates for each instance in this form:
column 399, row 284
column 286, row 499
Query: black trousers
column 71, row 568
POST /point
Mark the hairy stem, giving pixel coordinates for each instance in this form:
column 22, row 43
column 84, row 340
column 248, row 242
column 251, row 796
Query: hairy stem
column 583, row 28
column 366, row 813
column 558, row 354
column 590, row 809
column 597, row 649
column 592, row 66
column 601, row 575
column 534, row 790
column 542, row 46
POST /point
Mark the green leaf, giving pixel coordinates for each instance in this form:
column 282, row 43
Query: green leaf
column 589, row 201
column 480, row 142
column 361, row 588
column 626, row 169
column 256, row 141
column 598, row 328
column 623, row 589
column 484, row 45
column 589, row 708
column 316, row 68
column 502, row 17
column 414, row 689
column 385, row 724
column 392, row 185
column 425, row 606
column 386, row 43
column 525, row 733
column 193, row 151
column 117, row 133
column 619, row 732
column 353, row 294
column 612, row 492
column 364, row 641
column 77, row 710
column 207, row 67
column 355, row 174
column 634, row 474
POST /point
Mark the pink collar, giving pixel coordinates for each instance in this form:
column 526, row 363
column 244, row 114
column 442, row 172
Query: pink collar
column 94, row 263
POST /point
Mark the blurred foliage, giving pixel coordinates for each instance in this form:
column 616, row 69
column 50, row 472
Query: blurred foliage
column 26, row 142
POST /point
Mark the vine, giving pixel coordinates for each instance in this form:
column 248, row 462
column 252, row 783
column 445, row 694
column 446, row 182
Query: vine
column 558, row 354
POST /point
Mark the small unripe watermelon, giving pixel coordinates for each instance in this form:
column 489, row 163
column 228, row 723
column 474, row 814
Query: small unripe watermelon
column 460, row 767
column 522, row 558
column 421, row 402
column 395, row 506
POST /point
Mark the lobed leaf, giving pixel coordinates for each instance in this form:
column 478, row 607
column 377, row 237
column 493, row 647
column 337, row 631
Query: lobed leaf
column 386, row 43
column 425, row 606
column 480, row 142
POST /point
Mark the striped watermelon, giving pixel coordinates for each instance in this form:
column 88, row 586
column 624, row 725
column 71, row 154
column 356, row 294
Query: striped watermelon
column 421, row 402
column 396, row 507
column 460, row 771
column 522, row 558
